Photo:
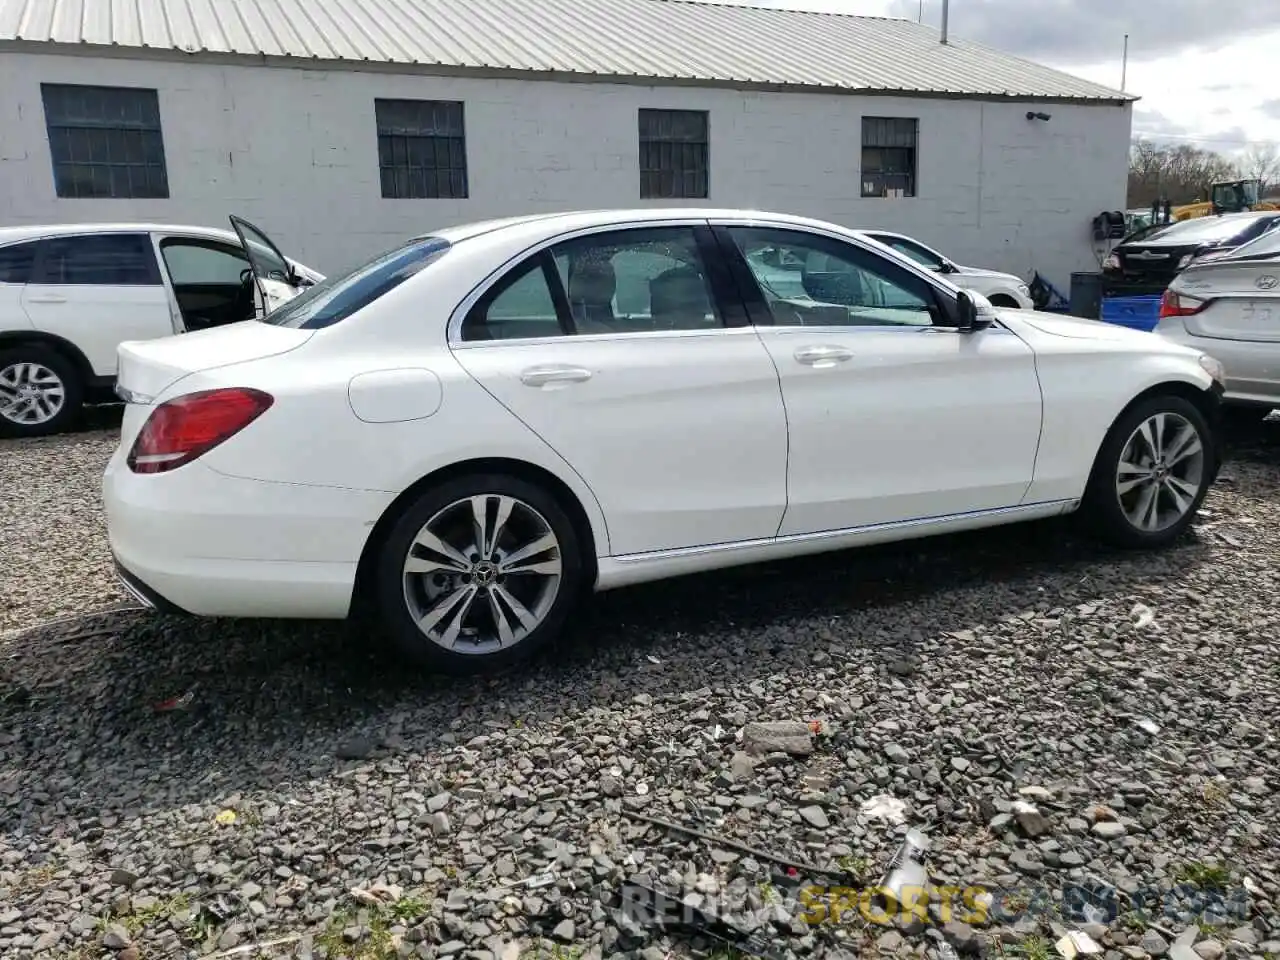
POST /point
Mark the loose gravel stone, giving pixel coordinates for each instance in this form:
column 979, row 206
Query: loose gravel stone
column 489, row 819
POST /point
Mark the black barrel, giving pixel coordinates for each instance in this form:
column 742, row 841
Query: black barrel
column 1086, row 295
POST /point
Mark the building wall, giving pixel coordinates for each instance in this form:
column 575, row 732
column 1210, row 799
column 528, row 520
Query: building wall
column 295, row 151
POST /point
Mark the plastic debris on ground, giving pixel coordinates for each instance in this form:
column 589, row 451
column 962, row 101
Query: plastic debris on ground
column 1142, row 615
column 1077, row 943
column 182, row 702
column 885, row 808
column 906, row 870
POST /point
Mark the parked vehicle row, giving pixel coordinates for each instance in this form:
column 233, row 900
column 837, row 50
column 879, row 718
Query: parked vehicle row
column 1217, row 278
column 1160, row 253
column 1229, row 307
column 465, row 434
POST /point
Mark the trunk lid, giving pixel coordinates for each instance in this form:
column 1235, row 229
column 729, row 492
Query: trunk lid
column 149, row 367
column 1244, row 301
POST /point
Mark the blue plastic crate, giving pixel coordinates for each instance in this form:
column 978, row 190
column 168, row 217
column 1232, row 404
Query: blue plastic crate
column 1137, row 313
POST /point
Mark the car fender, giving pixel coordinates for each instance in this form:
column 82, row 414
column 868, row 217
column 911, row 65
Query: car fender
column 1085, row 392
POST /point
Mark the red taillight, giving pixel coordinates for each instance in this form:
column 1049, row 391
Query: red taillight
column 184, row 428
column 1180, row 305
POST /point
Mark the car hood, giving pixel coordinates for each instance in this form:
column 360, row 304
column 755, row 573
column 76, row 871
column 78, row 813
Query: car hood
column 990, row 275
column 1079, row 328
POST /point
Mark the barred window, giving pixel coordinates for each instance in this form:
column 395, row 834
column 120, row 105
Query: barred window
column 105, row 141
column 422, row 149
column 673, row 154
column 889, row 156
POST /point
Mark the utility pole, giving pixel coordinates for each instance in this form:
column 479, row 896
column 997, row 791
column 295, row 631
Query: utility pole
column 946, row 17
column 1124, row 65
column 920, row 15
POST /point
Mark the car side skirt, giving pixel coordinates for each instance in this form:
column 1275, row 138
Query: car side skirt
column 622, row 571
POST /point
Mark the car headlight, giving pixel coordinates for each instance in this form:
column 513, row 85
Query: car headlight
column 1213, row 368
column 1112, row 262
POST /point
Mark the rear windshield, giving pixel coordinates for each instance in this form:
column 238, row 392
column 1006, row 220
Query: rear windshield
column 336, row 298
column 1266, row 247
column 1205, row 230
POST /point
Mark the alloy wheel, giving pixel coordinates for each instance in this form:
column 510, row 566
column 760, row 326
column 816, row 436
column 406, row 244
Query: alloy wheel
column 482, row 574
column 1161, row 471
column 30, row 393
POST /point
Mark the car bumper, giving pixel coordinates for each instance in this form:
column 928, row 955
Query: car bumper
column 198, row 542
column 1252, row 369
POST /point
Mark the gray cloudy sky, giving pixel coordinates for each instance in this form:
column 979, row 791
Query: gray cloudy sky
column 1206, row 69
column 1091, row 31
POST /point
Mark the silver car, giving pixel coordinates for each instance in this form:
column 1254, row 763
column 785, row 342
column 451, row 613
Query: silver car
column 1229, row 307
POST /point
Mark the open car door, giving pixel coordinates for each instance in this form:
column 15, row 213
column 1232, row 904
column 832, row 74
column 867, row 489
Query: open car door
column 275, row 277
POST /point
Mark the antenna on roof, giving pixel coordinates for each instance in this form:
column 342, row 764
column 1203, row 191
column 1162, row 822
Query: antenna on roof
column 1124, row 64
column 920, row 15
column 946, row 16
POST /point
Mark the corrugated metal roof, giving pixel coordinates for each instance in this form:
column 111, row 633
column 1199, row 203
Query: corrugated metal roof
column 676, row 40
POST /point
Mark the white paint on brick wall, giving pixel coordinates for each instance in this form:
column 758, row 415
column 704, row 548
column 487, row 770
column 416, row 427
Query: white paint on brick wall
column 294, row 150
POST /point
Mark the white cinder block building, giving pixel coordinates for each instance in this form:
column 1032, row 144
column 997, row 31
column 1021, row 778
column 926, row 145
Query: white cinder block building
column 344, row 126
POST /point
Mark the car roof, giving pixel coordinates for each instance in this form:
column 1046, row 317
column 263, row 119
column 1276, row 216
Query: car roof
column 36, row 231
column 570, row 220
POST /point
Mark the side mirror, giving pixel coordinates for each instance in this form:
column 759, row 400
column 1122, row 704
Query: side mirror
column 968, row 320
column 949, row 267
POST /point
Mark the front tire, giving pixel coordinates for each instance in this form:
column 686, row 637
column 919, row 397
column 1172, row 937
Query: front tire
column 1152, row 473
column 41, row 391
column 477, row 574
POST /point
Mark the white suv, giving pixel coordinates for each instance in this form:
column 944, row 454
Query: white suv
column 71, row 294
column 1002, row 289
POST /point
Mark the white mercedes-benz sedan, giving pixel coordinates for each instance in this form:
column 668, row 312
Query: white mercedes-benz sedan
column 470, row 431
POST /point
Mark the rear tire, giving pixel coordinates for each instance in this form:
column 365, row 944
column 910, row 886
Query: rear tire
column 1151, row 474
column 457, row 605
column 41, row 392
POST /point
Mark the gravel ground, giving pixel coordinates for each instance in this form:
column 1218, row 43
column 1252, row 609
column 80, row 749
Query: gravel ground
column 1049, row 714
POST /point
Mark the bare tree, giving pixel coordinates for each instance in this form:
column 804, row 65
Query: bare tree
column 1180, row 174
column 1262, row 162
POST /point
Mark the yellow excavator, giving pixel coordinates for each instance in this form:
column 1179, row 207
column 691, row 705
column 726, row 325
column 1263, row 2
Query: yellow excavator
column 1227, row 196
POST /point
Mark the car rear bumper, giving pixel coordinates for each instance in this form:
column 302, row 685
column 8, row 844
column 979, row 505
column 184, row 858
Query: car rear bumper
column 199, row 542
column 1252, row 368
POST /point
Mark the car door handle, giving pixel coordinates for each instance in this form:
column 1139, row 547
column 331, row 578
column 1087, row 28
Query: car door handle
column 823, row 355
column 543, row 376
column 49, row 298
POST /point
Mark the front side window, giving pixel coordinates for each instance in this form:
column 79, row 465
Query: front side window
column 16, row 261
column 191, row 262
column 889, row 156
column 648, row 280
column 107, row 259
column 337, row 298
column 105, row 142
column 811, row 280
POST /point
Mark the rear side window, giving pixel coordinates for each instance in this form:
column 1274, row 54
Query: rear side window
column 108, row 259
column 16, row 261
column 336, row 298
